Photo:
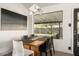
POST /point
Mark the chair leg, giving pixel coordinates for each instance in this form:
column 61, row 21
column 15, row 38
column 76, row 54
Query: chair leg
column 40, row 53
column 50, row 49
column 53, row 50
column 52, row 45
column 49, row 46
column 50, row 53
column 46, row 53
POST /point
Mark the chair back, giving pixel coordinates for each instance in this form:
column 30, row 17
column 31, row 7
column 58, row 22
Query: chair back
column 18, row 49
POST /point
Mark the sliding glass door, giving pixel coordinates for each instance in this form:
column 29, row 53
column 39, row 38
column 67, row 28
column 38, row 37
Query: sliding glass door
column 76, row 31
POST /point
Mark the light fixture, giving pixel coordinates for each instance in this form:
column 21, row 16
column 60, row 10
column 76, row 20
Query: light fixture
column 34, row 9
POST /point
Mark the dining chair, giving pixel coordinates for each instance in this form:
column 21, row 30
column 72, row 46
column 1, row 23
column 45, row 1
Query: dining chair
column 18, row 49
column 47, row 47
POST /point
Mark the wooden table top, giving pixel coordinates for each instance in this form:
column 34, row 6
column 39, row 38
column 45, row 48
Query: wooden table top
column 36, row 42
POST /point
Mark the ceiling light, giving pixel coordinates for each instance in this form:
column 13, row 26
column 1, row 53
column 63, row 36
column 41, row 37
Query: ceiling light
column 34, row 8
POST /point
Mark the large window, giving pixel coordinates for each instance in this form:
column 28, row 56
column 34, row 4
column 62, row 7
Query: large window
column 48, row 24
column 48, row 29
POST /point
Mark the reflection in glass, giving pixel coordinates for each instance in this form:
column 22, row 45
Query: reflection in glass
column 54, row 29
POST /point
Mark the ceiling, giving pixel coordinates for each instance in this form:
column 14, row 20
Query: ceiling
column 28, row 5
column 46, row 17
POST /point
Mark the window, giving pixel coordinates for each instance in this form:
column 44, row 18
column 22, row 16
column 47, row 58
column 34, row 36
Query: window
column 48, row 29
column 48, row 24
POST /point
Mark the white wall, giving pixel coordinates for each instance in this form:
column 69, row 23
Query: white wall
column 63, row 44
column 30, row 25
column 7, row 36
